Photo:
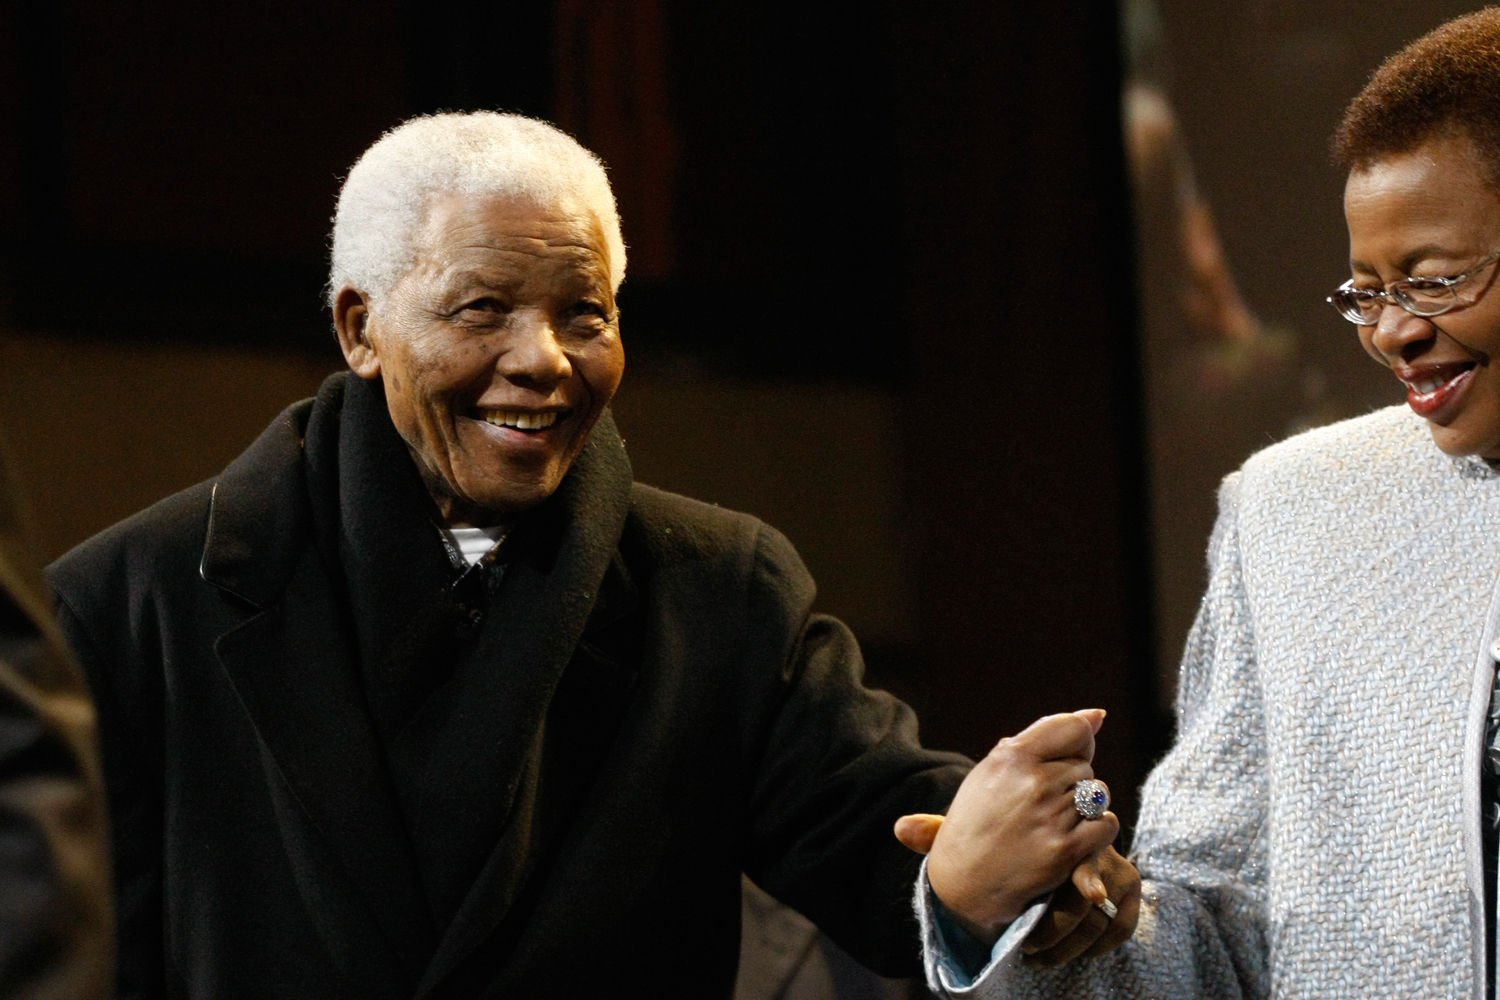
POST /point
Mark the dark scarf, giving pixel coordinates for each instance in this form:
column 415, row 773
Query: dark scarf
column 433, row 647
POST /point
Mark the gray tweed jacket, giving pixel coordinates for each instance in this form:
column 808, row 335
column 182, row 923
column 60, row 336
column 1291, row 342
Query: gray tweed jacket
column 1314, row 832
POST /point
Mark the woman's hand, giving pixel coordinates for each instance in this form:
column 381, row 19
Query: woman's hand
column 1075, row 925
column 1013, row 832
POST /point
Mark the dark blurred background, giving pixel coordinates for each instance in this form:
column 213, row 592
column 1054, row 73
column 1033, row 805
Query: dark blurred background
column 892, row 286
column 881, row 288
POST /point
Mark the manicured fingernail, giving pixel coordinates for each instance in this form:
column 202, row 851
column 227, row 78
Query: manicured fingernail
column 1094, row 717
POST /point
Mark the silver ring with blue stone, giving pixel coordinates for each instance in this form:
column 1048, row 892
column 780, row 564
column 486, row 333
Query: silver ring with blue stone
column 1091, row 798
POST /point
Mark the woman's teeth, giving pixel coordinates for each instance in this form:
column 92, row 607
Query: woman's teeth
column 1430, row 382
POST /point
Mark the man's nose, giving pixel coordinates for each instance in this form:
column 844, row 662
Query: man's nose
column 531, row 351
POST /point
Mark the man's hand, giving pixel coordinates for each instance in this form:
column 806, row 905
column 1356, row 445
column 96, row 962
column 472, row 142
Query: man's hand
column 1074, row 926
column 1012, row 833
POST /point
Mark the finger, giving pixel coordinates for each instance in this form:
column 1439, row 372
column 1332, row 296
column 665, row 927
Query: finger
column 1052, row 785
column 1089, row 882
column 1124, row 883
column 1088, row 931
column 1093, row 835
column 1071, row 904
column 1066, row 911
column 1093, row 716
column 918, row 830
column 1127, row 914
column 1060, row 737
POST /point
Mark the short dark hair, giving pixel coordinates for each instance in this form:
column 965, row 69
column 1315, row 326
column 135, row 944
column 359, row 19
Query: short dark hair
column 1446, row 83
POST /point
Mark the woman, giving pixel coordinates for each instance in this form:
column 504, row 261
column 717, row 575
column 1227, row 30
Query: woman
column 1322, row 826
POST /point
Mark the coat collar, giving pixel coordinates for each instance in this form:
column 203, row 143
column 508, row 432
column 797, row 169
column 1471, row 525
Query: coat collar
column 295, row 666
column 258, row 518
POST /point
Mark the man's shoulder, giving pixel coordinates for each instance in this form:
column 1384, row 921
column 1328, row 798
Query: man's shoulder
column 676, row 527
column 171, row 528
column 170, row 533
column 673, row 516
column 663, row 508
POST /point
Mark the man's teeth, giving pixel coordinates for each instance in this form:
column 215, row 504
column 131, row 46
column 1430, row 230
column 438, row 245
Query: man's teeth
column 521, row 421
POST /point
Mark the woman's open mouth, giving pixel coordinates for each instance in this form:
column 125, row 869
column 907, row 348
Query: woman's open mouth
column 1434, row 388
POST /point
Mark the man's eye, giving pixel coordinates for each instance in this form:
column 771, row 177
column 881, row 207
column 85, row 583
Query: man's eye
column 487, row 305
column 486, row 308
column 587, row 315
column 586, row 308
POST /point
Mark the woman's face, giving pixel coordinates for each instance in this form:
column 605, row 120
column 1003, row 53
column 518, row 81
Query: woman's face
column 1431, row 212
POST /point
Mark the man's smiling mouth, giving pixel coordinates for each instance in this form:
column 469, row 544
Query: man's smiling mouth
column 521, row 420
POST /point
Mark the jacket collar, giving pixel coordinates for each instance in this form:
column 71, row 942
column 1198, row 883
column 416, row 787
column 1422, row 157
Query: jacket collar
column 565, row 604
column 258, row 518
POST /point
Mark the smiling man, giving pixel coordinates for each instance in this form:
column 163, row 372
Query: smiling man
column 423, row 696
column 503, row 286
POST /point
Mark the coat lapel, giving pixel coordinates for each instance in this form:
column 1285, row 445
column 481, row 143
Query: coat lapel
column 549, row 698
column 539, row 711
column 291, row 663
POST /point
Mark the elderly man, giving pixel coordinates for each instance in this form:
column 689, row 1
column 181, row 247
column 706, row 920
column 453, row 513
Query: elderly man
column 424, row 697
column 55, row 917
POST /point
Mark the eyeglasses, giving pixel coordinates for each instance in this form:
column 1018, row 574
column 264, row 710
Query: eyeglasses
column 1418, row 296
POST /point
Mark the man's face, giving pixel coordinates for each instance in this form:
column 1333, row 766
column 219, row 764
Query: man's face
column 499, row 350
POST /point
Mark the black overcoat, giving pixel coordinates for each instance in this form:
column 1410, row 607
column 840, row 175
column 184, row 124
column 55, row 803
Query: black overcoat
column 660, row 710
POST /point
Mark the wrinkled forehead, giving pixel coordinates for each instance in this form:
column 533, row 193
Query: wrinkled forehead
column 459, row 227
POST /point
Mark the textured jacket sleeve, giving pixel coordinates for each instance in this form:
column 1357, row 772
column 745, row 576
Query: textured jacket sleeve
column 1200, row 844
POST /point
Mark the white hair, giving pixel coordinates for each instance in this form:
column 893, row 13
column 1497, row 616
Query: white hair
column 385, row 198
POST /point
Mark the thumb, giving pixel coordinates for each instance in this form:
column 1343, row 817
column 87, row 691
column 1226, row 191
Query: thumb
column 918, row 830
column 1093, row 716
column 1088, row 880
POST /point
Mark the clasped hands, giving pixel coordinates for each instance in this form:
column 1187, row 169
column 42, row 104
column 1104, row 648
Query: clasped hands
column 1013, row 835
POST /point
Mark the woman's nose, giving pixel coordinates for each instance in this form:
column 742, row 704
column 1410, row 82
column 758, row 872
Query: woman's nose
column 1398, row 335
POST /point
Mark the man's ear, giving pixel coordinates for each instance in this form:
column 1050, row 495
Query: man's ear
column 351, row 319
